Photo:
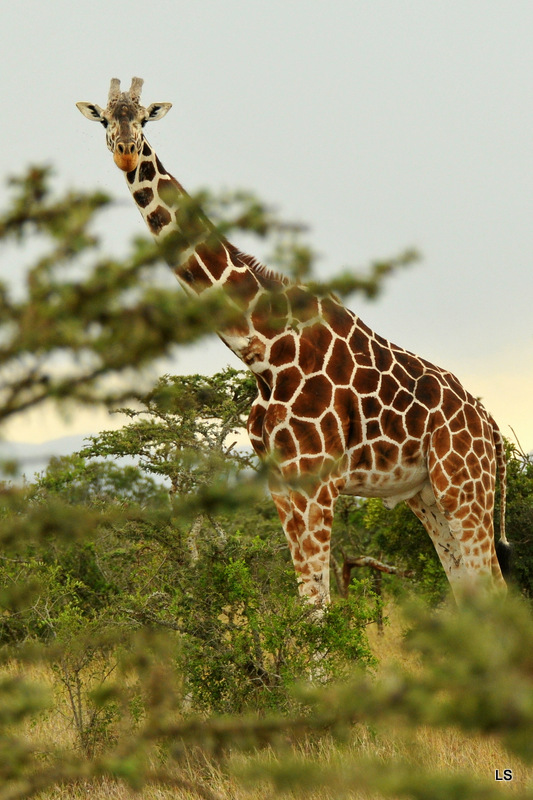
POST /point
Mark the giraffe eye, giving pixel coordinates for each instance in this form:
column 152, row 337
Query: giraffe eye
column 104, row 122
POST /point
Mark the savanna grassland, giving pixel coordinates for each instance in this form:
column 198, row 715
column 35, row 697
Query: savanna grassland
column 263, row 773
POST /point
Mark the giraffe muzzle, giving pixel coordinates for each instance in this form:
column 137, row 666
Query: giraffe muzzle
column 126, row 156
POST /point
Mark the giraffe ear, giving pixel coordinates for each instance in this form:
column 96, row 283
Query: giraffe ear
column 157, row 111
column 92, row 111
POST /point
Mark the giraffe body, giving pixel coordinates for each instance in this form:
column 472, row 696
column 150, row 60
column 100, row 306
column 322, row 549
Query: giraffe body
column 343, row 410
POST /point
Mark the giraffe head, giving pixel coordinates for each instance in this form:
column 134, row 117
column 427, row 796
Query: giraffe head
column 123, row 120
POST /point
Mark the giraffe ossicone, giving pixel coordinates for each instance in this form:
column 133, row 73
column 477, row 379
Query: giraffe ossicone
column 343, row 410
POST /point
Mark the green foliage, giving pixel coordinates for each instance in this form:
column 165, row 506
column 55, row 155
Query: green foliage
column 181, row 430
column 393, row 536
column 249, row 638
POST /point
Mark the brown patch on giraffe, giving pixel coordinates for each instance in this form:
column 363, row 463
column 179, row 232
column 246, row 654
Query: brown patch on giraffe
column 388, row 390
column 168, row 191
column 478, row 447
column 456, row 387
column 215, row 258
column 309, row 358
column 462, row 441
column 454, row 465
column 371, row 407
column 366, row 380
column 284, row 445
column 359, row 343
column 276, row 413
column 307, row 436
column 345, row 405
column 477, row 512
column 468, row 492
column 392, row 425
column 411, row 452
column 402, row 400
column 386, row 455
column 265, row 380
column 324, row 496
column 300, row 501
column 413, row 365
column 336, row 316
column 309, row 546
column 255, row 429
column 304, row 306
column 487, row 481
column 332, row 435
column 314, row 397
column 287, row 382
column 428, row 391
column 194, row 274
column 439, row 481
column 160, row 167
column 146, row 171
column 323, row 535
column 158, row 219
column 267, row 320
column 242, row 287
column 487, row 464
column 340, row 365
column 451, row 403
column 415, row 420
column 283, row 350
column 383, row 357
column 457, row 422
column 143, row 197
column 473, row 466
column 473, row 420
column 311, row 467
column 314, row 342
column 373, row 429
column 362, row 458
column 403, row 378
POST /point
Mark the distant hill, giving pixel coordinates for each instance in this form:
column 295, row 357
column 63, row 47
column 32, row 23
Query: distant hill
column 33, row 458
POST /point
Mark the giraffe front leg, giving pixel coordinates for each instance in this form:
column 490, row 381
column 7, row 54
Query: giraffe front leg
column 307, row 524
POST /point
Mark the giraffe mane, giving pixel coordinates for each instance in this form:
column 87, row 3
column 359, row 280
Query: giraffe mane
column 269, row 278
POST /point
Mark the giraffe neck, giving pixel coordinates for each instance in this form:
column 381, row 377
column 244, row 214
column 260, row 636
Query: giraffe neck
column 166, row 208
column 202, row 259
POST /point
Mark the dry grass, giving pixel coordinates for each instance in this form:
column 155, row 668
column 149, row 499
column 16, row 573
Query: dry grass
column 446, row 750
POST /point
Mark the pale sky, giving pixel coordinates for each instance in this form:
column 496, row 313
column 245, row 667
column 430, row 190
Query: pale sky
column 382, row 125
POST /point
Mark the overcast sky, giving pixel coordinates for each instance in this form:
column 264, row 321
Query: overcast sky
column 380, row 124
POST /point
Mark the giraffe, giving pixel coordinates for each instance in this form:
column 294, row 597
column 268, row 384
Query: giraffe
column 343, row 410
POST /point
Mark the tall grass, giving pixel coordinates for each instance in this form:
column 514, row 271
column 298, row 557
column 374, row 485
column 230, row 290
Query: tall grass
column 445, row 750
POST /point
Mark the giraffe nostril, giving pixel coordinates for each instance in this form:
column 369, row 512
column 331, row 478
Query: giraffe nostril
column 126, row 148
